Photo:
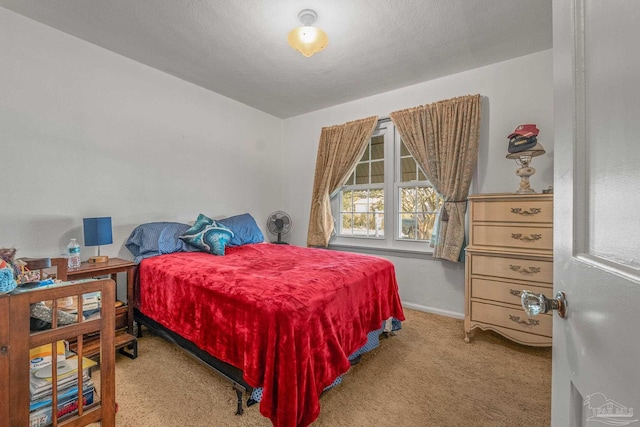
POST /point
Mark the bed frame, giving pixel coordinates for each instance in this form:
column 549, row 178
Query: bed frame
column 225, row 370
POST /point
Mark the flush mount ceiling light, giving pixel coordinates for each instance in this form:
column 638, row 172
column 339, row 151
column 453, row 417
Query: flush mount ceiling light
column 307, row 39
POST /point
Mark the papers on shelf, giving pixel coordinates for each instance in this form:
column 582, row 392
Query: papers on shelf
column 42, row 387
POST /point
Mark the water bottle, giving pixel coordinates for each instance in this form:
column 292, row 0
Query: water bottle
column 73, row 254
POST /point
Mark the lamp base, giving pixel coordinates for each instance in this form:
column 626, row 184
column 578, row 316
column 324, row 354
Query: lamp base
column 525, row 173
column 96, row 259
column 525, row 191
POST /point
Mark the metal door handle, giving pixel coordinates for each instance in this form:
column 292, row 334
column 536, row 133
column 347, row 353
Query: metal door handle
column 534, row 304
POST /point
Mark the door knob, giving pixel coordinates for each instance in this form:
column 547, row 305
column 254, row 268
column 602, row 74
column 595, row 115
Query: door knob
column 534, row 304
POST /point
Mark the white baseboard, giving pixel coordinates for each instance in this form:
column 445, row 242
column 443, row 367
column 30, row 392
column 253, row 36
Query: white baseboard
column 434, row 310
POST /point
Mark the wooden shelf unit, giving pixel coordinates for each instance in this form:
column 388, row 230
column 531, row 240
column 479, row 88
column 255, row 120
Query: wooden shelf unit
column 16, row 340
column 125, row 339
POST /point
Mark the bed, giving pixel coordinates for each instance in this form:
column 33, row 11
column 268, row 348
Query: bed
column 281, row 318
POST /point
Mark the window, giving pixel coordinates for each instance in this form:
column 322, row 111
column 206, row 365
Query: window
column 387, row 201
column 362, row 196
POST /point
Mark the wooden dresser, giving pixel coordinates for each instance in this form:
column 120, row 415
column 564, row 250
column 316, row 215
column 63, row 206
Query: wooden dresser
column 510, row 249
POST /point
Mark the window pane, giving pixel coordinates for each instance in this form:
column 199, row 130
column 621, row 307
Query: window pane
column 377, row 172
column 376, row 200
column 375, row 225
column 421, row 175
column 425, row 224
column 371, row 225
column 428, row 199
column 347, row 224
column 360, row 224
column 377, row 147
column 379, row 224
column 365, row 156
column 362, row 173
column 403, row 149
column 418, row 212
column 407, row 199
column 408, row 226
column 351, row 179
column 408, row 169
column 347, row 200
column 360, row 202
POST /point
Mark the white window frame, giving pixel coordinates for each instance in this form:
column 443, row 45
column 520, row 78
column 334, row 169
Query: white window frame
column 392, row 168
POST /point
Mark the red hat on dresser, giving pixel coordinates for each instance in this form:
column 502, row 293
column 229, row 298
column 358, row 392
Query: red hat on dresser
column 525, row 131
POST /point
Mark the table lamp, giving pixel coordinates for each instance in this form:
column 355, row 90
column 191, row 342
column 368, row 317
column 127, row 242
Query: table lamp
column 523, row 159
column 97, row 231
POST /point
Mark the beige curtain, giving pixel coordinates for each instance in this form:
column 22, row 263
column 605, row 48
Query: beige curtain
column 339, row 150
column 443, row 137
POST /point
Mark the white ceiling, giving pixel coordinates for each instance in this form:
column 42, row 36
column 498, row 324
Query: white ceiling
column 238, row 48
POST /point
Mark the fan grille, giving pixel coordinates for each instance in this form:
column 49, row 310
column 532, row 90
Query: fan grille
column 279, row 222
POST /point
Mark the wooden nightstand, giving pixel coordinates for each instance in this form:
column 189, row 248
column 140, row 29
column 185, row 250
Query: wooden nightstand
column 125, row 339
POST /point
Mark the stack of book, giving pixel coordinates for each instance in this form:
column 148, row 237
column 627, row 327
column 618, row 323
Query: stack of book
column 91, row 304
column 41, row 390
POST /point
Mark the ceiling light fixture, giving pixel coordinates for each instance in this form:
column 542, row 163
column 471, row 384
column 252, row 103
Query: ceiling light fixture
column 307, row 39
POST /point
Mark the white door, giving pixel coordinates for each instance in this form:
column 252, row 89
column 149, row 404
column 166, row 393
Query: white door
column 596, row 348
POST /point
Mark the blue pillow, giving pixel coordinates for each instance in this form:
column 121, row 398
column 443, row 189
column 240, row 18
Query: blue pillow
column 210, row 238
column 157, row 238
column 244, row 228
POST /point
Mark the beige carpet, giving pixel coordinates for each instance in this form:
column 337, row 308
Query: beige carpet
column 424, row 376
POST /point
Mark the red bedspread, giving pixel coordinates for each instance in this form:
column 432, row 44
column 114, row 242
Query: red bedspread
column 287, row 316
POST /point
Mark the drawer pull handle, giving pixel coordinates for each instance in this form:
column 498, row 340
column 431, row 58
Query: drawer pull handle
column 529, row 322
column 531, row 238
column 527, row 271
column 515, row 292
column 530, row 212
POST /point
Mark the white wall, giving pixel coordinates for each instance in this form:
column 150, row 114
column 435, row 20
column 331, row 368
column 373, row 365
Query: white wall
column 514, row 92
column 86, row 132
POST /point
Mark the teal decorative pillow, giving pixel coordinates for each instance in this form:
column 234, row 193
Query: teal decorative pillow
column 201, row 223
column 210, row 237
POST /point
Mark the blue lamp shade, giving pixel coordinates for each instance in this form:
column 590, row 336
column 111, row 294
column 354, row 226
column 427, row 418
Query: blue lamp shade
column 97, row 231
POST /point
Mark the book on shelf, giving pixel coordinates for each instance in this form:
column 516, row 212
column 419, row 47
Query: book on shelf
column 68, row 406
column 63, row 395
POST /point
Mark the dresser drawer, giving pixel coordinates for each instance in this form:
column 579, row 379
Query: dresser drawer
column 529, row 211
column 494, row 290
column 511, row 318
column 530, row 270
column 518, row 237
